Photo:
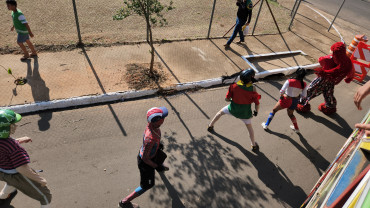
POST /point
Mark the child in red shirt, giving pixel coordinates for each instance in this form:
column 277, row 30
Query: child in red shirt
column 241, row 95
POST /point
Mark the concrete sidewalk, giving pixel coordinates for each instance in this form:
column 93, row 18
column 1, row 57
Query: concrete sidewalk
column 100, row 70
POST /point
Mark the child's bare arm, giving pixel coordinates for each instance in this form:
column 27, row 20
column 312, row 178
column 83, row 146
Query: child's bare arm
column 257, row 107
column 26, row 170
column 29, row 29
column 24, row 140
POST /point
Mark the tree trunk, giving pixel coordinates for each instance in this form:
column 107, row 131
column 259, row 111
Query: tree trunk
column 151, row 50
column 150, row 40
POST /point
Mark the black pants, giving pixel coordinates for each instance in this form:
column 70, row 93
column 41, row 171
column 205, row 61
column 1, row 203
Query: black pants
column 147, row 173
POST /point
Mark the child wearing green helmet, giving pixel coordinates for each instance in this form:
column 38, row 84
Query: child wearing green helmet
column 14, row 168
column 241, row 95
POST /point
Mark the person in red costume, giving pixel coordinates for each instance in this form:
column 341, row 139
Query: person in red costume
column 334, row 68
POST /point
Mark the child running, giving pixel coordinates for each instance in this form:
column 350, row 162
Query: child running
column 14, row 165
column 289, row 96
column 241, row 95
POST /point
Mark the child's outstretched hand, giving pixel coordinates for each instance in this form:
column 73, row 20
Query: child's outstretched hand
column 24, row 140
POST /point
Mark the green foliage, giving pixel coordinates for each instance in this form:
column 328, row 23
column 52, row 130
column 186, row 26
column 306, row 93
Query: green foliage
column 149, row 9
column 9, row 71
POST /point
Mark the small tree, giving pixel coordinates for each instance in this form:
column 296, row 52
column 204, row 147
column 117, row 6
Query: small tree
column 151, row 10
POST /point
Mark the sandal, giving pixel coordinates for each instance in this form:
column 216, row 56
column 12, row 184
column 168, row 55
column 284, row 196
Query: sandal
column 210, row 129
column 24, row 58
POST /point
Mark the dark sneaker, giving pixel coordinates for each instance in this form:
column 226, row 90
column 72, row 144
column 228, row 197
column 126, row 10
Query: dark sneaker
column 9, row 199
column 127, row 205
column 210, row 129
column 240, row 42
column 256, row 148
column 227, row 46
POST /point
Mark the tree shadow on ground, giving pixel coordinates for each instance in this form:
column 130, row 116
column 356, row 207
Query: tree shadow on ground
column 272, row 176
column 209, row 176
column 308, row 151
column 40, row 92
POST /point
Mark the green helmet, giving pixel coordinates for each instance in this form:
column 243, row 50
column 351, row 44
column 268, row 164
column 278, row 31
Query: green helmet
column 7, row 117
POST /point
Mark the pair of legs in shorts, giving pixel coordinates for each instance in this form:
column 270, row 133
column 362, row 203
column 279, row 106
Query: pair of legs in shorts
column 21, row 39
column 247, row 122
column 290, row 104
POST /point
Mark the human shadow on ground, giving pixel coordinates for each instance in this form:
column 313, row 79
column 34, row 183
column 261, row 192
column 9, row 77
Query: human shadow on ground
column 6, row 206
column 308, row 151
column 40, row 92
column 114, row 114
column 342, row 128
column 271, row 175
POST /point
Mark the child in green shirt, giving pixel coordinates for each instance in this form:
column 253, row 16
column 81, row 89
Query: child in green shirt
column 22, row 28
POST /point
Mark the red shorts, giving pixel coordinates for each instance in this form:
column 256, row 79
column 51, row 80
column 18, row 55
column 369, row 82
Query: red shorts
column 288, row 102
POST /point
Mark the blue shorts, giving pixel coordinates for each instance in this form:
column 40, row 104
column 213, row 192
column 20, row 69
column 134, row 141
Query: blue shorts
column 22, row 37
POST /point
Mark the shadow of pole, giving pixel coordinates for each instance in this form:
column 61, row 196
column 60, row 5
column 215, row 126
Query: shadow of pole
column 343, row 129
column 103, row 90
column 40, row 92
column 225, row 54
column 186, row 94
column 176, row 202
column 309, row 152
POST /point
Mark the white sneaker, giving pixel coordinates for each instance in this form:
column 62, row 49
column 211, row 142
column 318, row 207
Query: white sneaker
column 294, row 129
column 264, row 126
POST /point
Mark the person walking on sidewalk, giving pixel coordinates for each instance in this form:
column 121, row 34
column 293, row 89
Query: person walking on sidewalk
column 244, row 16
column 151, row 156
column 22, row 28
column 241, row 95
column 14, row 168
column 290, row 93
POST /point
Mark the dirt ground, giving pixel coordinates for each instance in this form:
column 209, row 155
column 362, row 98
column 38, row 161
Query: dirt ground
column 53, row 22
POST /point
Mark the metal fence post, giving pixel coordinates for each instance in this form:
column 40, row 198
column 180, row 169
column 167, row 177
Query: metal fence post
column 291, row 22
column 336, row 15
column 255, row 23
column 77, row 23
column 210, row 23
column 295, row 4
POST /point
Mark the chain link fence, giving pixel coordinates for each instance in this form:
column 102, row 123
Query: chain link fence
column 53, row 22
